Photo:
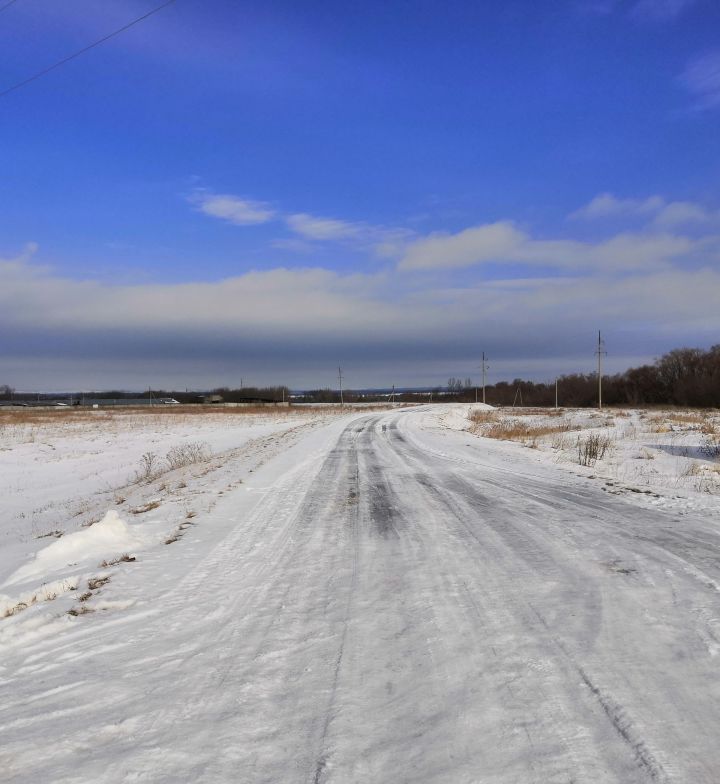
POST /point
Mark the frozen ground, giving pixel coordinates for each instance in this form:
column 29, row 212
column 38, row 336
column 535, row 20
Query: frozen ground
column 668, row 457
column 369, row 597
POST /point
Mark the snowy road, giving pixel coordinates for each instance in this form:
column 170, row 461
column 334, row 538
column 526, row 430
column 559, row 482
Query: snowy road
column 388, row 601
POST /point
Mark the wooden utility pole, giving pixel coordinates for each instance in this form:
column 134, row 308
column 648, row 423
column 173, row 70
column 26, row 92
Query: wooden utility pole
column 600, row 353
column 340, row 378
column 518, row 393
column 484, row 368
column 556, row 393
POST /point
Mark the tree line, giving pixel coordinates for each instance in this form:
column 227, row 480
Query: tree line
column 682, row 377
column 228, row 395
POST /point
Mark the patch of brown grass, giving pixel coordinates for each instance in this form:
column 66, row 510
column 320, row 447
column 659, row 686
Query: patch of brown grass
column 483, row 417
column 57, row 533
column 692, row 420
column 19, row 607
column 97, row 582
column 548, row 412
column 124, row 558
column 515, row 430
column 147, row 508
column 82, row 610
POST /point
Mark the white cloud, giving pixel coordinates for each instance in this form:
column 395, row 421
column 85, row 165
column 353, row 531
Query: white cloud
column 262, row 318
column 242, row 212
column 314, row 228
column 277, row 301
column 293, row 245
column 656, row 209
column 606, row 205
column 663, row 214
column 319, row 302
column 504, row 243
column 476, row 245
column 702, row 78
column 679, row 213
column 384, row 242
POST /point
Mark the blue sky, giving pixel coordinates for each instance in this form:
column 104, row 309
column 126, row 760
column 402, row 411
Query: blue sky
column 266, row 190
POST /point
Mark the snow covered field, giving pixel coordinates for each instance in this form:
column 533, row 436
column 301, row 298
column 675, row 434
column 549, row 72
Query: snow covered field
column 670, row 457
column 320, row 596
column 62, row 472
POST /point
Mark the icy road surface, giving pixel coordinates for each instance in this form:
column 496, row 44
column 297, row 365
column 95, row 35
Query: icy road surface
column 386, row 601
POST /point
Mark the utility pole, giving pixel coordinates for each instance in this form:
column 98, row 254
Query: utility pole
column 518, row 392
column 556, row 393
column 600, row 353
column 340, row 378
column 392, row 396
column 484, row 368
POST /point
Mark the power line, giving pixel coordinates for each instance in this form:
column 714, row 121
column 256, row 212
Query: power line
column 84, row 49
column 7, row 5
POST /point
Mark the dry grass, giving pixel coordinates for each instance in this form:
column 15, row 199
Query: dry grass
column 82, row 610
column 491, row 424
column 56, row 534
column 183, row 455
column 19, row 607
column 28, row 425
column 124, row 558
column 705, row 478
column 667, row 421
column 515, row 430
column 547, row 412
column 41, row 416
column 483, row 417
column 43, row 595
column 146, row 508
column 593, row 448
column 97, row 582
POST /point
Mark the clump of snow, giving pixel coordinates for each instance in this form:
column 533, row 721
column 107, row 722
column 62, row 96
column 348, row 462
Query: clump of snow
column 457, row 416
column 10, row 605
column 110, row 537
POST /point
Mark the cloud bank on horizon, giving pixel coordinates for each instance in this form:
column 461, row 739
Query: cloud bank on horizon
column 269, row 202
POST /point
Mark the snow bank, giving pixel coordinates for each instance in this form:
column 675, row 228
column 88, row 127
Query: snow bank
column 10, row 605
column 109, row 538
column 456, row 416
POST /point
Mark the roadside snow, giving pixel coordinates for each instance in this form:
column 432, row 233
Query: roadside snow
column 363, row 597
column 109, row 538
column 652, row 457
column 71, row 485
